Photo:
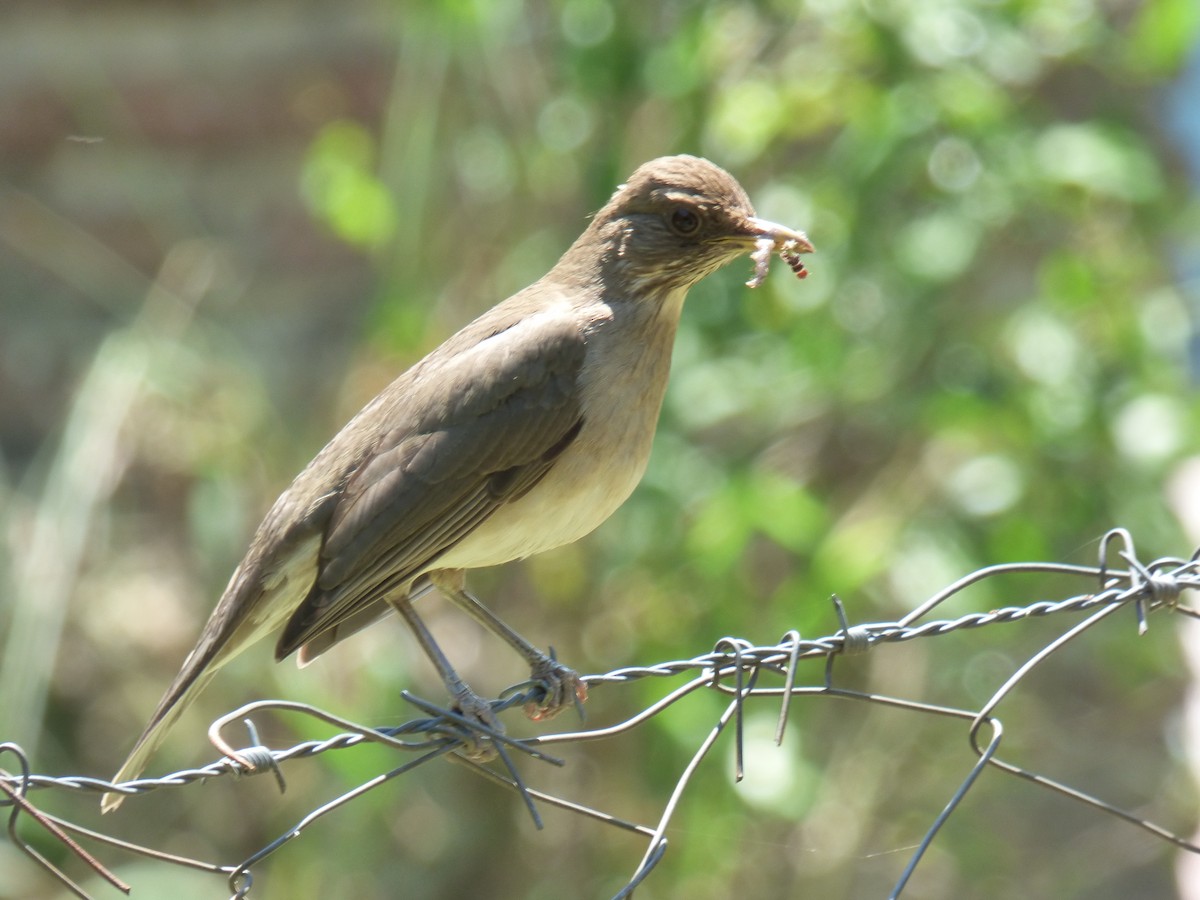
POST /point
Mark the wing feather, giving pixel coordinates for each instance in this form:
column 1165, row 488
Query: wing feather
column 493, row 419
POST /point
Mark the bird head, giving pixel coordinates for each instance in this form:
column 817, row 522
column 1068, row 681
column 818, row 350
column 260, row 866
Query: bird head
column 678, row 219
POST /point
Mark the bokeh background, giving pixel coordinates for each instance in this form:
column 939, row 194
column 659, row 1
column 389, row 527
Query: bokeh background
column 225, row 226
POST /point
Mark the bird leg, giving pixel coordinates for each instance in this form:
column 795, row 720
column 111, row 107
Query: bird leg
column 473, row 707
column 562, row 685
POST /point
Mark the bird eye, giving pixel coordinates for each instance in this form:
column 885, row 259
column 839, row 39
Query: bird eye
column 685, row 220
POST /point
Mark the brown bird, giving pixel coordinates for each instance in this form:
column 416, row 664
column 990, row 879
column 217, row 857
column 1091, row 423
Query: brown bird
column 522, row 432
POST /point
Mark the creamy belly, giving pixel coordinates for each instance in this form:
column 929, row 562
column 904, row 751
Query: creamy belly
column 622, row 387
column 568, row 503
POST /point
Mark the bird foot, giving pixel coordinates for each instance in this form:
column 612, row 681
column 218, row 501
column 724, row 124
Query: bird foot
column 477, row 746
column 562, row 688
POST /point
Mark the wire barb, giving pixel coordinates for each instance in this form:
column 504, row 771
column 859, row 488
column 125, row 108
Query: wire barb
column 855, row 638
column 792, row 638
column 259, row 758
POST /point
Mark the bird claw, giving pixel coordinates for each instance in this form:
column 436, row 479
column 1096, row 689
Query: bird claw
column 477, row 746
column 562, row 687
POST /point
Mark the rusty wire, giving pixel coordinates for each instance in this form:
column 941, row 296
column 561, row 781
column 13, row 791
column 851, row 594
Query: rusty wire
column 734, row 667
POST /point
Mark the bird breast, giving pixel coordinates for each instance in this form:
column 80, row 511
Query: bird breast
column 621, row 386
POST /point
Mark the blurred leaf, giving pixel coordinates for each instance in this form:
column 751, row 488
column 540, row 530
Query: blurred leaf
column 1163, row 33
column 1088, row 157
column 341, row 189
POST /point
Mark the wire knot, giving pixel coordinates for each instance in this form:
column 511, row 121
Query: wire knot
column 1164, row 588
column 855, row 639
column 259, row 759
column 256, row 758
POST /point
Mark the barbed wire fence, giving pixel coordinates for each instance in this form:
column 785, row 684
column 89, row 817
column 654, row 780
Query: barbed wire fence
column 737, row 669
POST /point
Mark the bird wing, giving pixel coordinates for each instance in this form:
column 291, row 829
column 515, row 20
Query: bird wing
column 494, row 417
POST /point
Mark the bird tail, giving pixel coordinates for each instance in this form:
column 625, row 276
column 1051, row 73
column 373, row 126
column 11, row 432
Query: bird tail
column 196, row 674
column 251, row 607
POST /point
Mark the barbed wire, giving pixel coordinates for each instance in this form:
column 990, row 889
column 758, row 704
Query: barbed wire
column 734, row 668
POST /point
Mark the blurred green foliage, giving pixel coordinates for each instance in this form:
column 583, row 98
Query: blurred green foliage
column 987, row 364
column 341, row 187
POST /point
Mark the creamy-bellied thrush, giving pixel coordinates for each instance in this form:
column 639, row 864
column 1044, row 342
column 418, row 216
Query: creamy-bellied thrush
column 522, row 432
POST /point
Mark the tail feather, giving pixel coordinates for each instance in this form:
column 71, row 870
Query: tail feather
column 177, row 699
column 254, row 604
